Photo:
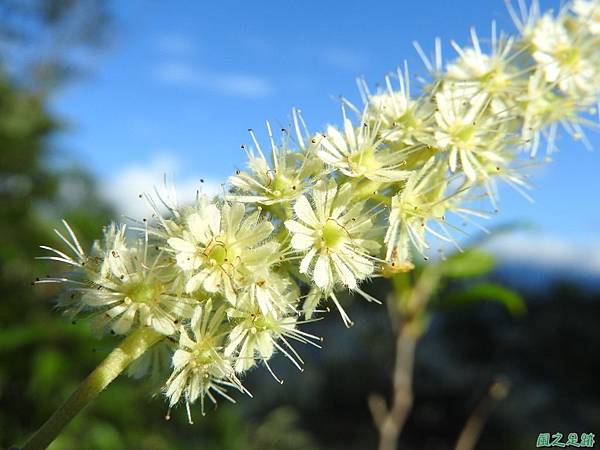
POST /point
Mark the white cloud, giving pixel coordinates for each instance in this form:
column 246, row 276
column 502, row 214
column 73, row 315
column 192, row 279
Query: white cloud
column 549, row 252
column 236, row 84
column 124, row 186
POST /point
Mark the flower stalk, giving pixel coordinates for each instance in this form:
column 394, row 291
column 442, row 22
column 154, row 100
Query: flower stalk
column 407, row 311
column 131, row 348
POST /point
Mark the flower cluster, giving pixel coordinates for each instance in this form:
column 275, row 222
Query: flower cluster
column 229, row 280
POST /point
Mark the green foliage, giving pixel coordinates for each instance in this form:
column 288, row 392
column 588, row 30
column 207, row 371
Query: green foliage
column 449, row 283
column 510, row 299
column 38, row 349
column 472, row 262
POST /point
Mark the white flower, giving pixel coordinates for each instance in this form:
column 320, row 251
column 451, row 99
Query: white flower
column 257, row 335
column 199, row 367
column 360, row 152
column 466, row 132
column 272, row 292
column 405, row 120
column 588, row 12
column 334, row 233
column 284, row 177
column 494, row 74
column 217, row 246
column 543, row 109
column 421, row 200
column 129, row 285
column 562, row 58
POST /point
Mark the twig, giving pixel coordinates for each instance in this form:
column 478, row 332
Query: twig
column 406, row 310
column 469, row 436
column 391, row 423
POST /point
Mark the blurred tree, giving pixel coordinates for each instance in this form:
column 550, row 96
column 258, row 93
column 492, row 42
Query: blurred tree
column 32, row 199
column 45, row 42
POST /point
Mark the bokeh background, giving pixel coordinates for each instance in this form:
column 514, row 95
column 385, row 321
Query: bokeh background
column 98, row 100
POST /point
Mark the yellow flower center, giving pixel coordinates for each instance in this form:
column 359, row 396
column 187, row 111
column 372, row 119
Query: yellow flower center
column 332, row 234
column 568, row 56
column 462, row 133
column 495, row 80
column 144, row 292
column 202, row 354
column 217, row 254
column 363, row 161
column 283, row 186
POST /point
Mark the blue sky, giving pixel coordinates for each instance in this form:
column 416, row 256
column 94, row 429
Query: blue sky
column 182, row 81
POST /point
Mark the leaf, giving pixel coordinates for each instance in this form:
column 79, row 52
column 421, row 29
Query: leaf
column 470, row 263
column 511, row 300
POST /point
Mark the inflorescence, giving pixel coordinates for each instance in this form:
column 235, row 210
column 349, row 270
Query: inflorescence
column 228, row 280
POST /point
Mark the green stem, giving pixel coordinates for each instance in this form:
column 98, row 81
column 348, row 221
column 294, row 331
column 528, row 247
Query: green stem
column 130, row 348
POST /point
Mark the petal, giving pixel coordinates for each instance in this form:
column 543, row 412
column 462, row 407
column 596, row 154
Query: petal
column 212, row 280
column 181, row 245
column 235, row 215
column 124, row 323
column 324, row 195
column 255, row 235
column 180, row 358
column 297, row 227
column 265, row 344
column 196, row 322
column 360, row 266
column 477, row 105
column 311, row 303
column 198, row 226
column 452, row 159
column 467, row 166
column 337, row 139
column 302, row 241
column 304, row 265
column 188, row 261
column 345, row 274
column 322, row 272
column 304, row 211
column 213, row 215
column 194, row 283
column 163, row 325
column 237, row 335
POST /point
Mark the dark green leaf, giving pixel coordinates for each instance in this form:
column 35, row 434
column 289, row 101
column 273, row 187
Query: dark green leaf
column 485, row 292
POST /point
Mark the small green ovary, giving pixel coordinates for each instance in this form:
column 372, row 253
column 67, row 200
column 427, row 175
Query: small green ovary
column 462, row 134
column 568, row 56
column 408, row 121
column 144, row 292
column 332, row 234
column 217, row 254
column 203, row 354
column 283, row 186
column 495, row 80
column 363, row 161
